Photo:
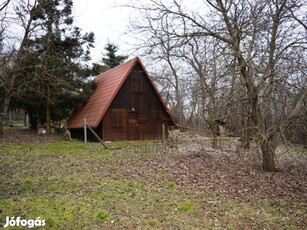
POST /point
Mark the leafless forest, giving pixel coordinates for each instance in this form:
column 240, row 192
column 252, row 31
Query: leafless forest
column 240, row 62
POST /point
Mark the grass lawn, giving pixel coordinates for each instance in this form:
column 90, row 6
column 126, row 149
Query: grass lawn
column 76, row 188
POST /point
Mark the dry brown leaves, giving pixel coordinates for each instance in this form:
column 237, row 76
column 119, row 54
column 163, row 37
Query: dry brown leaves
column 222, row 173
column 16, row 136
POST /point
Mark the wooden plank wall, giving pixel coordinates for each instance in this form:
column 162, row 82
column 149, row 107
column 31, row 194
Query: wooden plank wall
column 143, row 110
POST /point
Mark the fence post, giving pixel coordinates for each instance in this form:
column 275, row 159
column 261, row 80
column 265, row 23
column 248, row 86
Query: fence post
column 85, row 134
column 163, row 133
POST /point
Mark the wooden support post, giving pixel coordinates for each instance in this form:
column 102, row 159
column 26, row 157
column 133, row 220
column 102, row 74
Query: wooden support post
column 98, row 138
column 163, row 131
column 85, row 134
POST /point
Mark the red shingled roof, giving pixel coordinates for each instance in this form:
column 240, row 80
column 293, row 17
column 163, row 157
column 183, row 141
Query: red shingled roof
column 107, row 86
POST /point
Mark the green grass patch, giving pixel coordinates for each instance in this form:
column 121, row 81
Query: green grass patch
column 21, row 147
column 73, row 187
column 170, row 185
column 153, row 223
column 186, row 206
column 103, row 216
column 62, row 147
column 26, row 185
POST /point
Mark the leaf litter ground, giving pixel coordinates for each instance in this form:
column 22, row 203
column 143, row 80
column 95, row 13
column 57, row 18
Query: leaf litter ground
column 147, row 185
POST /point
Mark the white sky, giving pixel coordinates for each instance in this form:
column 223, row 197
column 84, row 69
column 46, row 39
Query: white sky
column 106, row 21
column 109, row 22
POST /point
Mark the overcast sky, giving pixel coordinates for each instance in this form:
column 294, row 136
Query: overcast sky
column 105, row 20
column 109, row 22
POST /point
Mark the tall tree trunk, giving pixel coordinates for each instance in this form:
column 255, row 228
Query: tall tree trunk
column 1, row 124
column 245, row 133
column 268, row 144
column 4, row 108
column 268, row 147
column 48, row 119
column 214, row 139
column 48, row 111
column 214, row 134
column 33, row 120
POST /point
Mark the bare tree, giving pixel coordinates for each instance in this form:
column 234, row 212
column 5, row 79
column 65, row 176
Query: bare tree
column 263, row 38
column 22, row 15
column 4, row 5
column 164, row 52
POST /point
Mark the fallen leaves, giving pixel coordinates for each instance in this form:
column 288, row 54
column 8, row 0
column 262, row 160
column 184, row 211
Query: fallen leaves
column 143, row 185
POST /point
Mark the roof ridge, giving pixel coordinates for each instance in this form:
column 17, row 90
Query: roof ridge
column 115, row 68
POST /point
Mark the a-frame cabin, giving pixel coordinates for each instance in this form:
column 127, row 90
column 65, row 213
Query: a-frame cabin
column 125, row 105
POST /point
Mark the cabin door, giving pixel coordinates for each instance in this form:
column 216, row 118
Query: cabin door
column 133, row 129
